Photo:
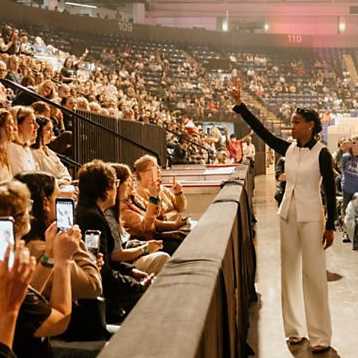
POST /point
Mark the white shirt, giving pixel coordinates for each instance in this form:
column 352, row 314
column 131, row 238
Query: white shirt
column 5, row 173
column 20, row 159
column 248, row 151
column 50, row 163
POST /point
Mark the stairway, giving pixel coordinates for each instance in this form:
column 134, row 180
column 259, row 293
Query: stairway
column 268, row 118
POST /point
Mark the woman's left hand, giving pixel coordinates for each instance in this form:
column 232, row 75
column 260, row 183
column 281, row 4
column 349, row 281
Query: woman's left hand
column 328, row 238
column 139, row 275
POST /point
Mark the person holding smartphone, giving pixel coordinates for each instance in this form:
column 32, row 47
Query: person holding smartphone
column 123, row 283
column 85, row 275
column 145, row 256
column 14, row 283
column 39, row 318
column 172, row 202
column 143, row 219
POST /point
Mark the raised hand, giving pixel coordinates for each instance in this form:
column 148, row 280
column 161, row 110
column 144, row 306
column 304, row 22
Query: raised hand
column 14, row 280
column 235, row 91
column 177, row 188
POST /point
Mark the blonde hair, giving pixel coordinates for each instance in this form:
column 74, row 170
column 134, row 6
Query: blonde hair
column 5, row 116
column 14, row 201
column 48, row 84
column 142, row 164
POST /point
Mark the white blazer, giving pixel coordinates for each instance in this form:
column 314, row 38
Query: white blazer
column 303, row 180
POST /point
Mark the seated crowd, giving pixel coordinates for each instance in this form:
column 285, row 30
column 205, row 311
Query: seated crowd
column 140, row 223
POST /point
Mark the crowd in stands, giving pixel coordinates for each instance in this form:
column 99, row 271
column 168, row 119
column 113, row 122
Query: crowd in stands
column 140, row 222
column 299, row 81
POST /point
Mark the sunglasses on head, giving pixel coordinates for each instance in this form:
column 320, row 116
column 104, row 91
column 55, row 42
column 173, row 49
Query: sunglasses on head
column 304, row 111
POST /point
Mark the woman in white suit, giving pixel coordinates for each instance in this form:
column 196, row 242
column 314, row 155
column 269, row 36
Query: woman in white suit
column 303, row 235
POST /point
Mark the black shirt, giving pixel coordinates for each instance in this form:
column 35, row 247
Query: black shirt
column 33, row 313
column 280, row 146
column 6, row 352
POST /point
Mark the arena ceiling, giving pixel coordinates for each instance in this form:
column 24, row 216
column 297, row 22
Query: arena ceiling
column 109, row 4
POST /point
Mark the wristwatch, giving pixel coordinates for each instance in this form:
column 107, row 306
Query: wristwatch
column 47, row 261
column 145, row 250
column 154, row 200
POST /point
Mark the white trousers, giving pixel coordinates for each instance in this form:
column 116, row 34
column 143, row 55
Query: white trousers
column 152, row 263
column 304, row 280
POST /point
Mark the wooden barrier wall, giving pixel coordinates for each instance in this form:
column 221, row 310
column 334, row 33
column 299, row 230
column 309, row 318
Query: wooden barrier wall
column 198, row 307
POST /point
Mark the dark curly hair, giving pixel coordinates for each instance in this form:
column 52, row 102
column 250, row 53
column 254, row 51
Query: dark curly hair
column 41, row 122
column 310, row 115
column 41, row 186
column 95, row 178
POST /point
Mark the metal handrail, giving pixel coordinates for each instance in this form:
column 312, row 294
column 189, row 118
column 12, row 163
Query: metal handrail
column 12, row 84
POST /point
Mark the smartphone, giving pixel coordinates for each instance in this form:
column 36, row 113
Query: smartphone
column 7, row 237
column 65, row 210
column 68, row 188
column 92, row 238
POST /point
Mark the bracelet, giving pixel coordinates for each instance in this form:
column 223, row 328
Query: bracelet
column 154, row 200
column 145, row 250
column 47, row 261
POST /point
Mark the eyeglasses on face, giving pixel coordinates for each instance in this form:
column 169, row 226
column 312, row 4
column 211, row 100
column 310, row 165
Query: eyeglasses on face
column 30, row 204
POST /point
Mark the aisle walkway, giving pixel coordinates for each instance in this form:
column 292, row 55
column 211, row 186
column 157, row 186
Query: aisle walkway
column 266, row 333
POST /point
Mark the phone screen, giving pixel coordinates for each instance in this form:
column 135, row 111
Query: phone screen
column 92, row 240
column 64, row 213
column 7, row 237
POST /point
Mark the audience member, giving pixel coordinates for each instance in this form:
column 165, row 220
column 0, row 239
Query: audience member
column 123, row 284
column 144, row 255
column 350, row 173
column 20, row 155
column 171, row 202
column 39, row 318
column 7, row 134
column 85, row 276
column 45, row 158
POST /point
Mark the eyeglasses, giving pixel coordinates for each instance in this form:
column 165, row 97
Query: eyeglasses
column 30, row 204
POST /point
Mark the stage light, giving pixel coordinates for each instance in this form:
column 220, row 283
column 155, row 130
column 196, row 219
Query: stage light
column 225, row 25
column 342, row 27
column 266, row 27
column 81, row 5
